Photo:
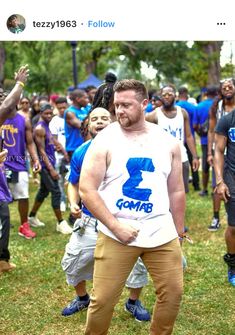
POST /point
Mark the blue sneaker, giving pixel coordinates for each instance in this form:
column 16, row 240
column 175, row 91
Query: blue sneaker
column 138, row 311
column 75, row 306
column 231, row 277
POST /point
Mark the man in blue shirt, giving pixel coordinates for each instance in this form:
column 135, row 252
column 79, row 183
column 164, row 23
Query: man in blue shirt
column 202, row 115
column 191, row 109
column 78, row 260
column 73, row 117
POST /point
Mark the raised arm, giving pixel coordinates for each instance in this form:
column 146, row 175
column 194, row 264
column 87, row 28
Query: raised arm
column 7, row 108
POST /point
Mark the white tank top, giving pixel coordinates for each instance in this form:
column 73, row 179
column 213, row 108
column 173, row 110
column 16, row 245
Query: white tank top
column 135, row 185
column 174, row 126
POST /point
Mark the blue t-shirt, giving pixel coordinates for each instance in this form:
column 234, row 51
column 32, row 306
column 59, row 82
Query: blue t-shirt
column 149, row 108
column 73, row 135
column 191, row 109
column 76, row 166
column 202, row 113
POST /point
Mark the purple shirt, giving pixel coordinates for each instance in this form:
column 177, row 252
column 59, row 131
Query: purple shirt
column 15, row 143
column 49, row 145
column 4, row 191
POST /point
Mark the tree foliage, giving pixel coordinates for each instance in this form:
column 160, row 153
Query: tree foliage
column 51, row 62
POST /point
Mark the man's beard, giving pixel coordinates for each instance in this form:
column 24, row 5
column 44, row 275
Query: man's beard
column 228, row 98
column 169, row 105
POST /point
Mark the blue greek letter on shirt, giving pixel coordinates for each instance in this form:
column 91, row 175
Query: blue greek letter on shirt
column 130, row 189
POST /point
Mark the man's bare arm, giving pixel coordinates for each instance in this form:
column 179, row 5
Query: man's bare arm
column 210, row 137
column 72, row 120
column 190, row 140
column 151, row 117
column 176, row 190
column 74, row 199
column 92, row 174
column 31, row 146
column 39, row 137
column 7, row 108
column 220, row 145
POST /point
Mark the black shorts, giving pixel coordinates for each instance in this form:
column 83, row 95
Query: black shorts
column 229, row 179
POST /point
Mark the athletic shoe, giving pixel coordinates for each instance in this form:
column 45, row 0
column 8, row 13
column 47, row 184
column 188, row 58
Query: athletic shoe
column 138, row 311
column 63, row 206
column 203, row 193
column 26, row 232
column 63, row 227
column 35, row 222
column 215, row 225
column 6, row 266
column 75, row 306
column 231, row 277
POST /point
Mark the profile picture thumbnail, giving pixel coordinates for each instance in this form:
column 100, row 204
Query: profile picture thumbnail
column 16, row 23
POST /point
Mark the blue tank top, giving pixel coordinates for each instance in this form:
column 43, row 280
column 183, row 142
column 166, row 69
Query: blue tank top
column 73, row 135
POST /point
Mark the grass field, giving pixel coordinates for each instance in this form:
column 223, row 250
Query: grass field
column 31, row 297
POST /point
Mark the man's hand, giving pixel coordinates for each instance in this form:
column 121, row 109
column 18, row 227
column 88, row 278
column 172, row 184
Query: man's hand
column 37, row 167
column 125, row 233
column 3, row 155
column 195, row 164
column 22, row 74
column 54, row 174
column 210, row 159
column 75, row 211
column 223, row 191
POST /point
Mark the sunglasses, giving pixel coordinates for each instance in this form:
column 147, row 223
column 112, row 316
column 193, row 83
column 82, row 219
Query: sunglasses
column 24, row 102
column 224, row 80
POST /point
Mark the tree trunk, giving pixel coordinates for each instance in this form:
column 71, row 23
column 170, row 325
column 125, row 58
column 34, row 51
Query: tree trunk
column 2, row 62
column 212, row 49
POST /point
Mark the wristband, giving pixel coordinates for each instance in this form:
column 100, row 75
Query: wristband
column 219, row 182
column 196, row 157
column 20, row 83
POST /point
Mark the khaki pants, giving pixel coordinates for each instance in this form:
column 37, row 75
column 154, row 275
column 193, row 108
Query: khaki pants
column 113, row 263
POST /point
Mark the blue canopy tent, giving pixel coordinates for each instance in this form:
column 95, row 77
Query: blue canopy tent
column 91, row 80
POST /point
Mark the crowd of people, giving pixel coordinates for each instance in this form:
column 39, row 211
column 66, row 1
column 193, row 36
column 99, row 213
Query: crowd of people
column 120, row 158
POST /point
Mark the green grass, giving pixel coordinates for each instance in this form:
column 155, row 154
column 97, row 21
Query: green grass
column 31, row 297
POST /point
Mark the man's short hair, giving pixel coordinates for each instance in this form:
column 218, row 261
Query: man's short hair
column 169, row 85
column 76, row 94
column 131, row 84
column 183, row 90
column 61, row 100
column 211, row 90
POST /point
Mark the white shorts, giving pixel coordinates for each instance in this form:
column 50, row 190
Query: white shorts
column 20, row 190
column 78, row 260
